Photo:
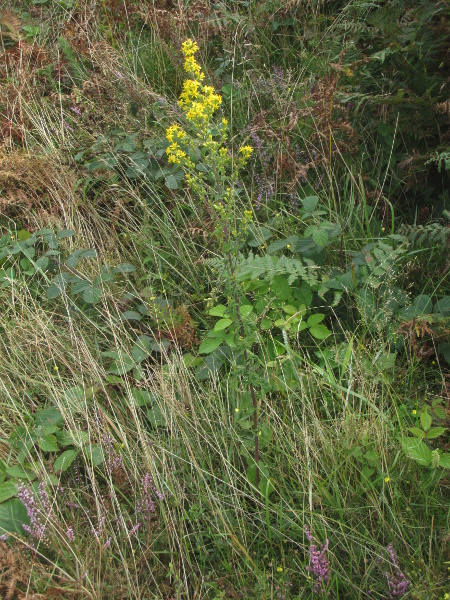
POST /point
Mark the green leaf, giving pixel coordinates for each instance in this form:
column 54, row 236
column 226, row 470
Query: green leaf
column 65, row 233
column 444, row 460
column 13, row 515
column 48, row 443
column 320, row 332
column 443, row 306
column 315, row 319
column 245, row 310
column 91, row 295
column 21, row 473
column 320, row 236
column 23, row 235
column 131, row 315
column 124, row 268
column 417, row 432
column 94, row 455
column 209, row 345
column 426, row 420
column 218, row 311
column 436, row 432
column 222, row 324
column 123, row 364
column 280, row 286
column 417, row 450
column 47, row 417
column 156, row 417
column 8, row 489
column 310, row 203
column 64, row 460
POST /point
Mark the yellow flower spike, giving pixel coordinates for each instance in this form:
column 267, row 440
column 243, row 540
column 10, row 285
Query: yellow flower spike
column 189, row 47
column 224, row 122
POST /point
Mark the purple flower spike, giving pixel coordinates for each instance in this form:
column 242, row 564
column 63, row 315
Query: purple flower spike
column 320, row 566
column 397, row 582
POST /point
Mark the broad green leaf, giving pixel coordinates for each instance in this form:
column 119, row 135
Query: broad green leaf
column 245, row 310
column 417, row 432
column 122, row 364
column 48, row 443
column 425, row 419
column 156, row 417
column 65, row 233
column 444, row 460
column 310, row 203
column 8, row 489
column 436, row 432
column 209, row 345
column 443, row 306
column 13, row 515
column 91, row 295
column 222, row 324
column 21, row 473
column 64, row 460
column 320, row 236
column 417, row 450
column 124, row 268
column 131, row 315
column 47, row 417
column 315, row 319
column 320, row 332
column 280, row 286
column 217, row 311
column 94, row 455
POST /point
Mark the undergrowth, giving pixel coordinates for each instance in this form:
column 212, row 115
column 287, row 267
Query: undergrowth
column 224, row 234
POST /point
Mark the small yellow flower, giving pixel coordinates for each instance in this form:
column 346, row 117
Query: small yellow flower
column 386, row 480
column 246, row 151
column 433, row 362
column 224, row 122
column 279, row 569
column 288, row 246
column 414, row 412
column 383, row 229
column 260, row 433
column 56, row 368
column 236, row 410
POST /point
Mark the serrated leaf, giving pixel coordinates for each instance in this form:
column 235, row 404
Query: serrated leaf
column 209, row 345
column 417, row 432
column 425, row 419
column 47, row 417
column 21, row 473
column 48, row 443
column 320, row 332
column 315, row 319
column 65, row 233
column 439, row 411
column 64, row 460
column 435, row 432
column 131, row 315
column 91, row 295
column 124, row 268
column 8, row 489
column 310, row 203
column 417, row 450
column 13, row 515
column 217, row 311
column 444, row 460
column 245, row 310
column 222, row 324
column 320, row 236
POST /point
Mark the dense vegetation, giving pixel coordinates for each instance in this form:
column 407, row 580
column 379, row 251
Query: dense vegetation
column 224, row 299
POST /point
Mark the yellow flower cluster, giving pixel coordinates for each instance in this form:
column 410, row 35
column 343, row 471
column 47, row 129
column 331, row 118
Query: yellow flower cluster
column 246, row 151
column 198, row 101
column 175, row 131
column 175, row 153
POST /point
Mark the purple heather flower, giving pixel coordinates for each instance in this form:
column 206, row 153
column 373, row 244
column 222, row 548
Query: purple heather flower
column 70, row 535
column 112, row 460
column 397, row 582
column 4, row 537
column 76, row 110
column 107, row 544
column 36, row 528
column 67, row 126
column 146, row 505
column 134, row 530
column 320, row 566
